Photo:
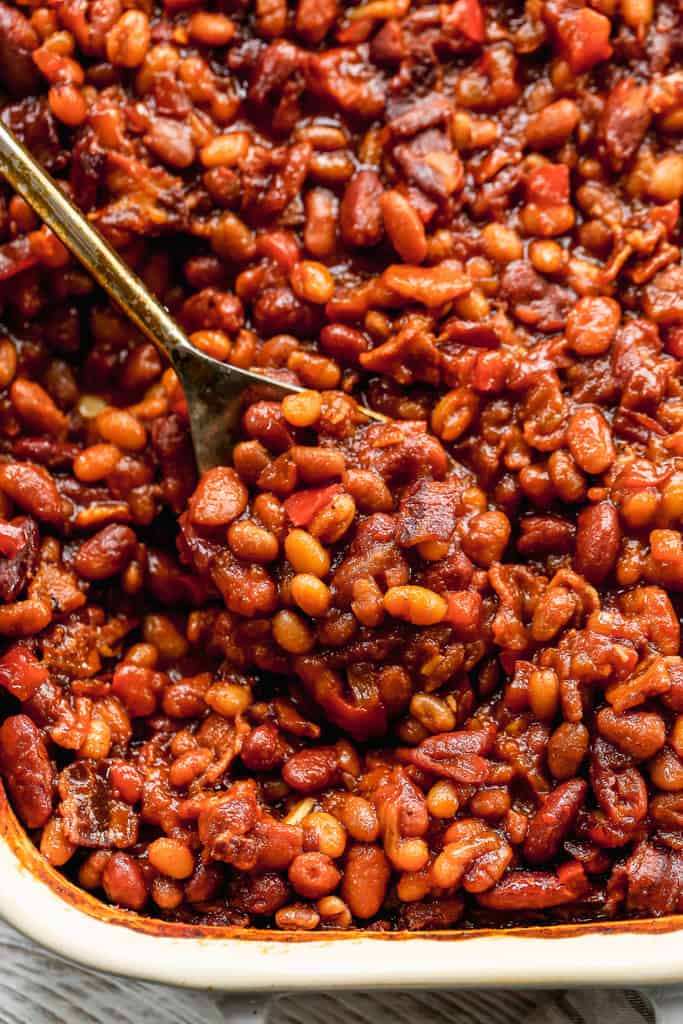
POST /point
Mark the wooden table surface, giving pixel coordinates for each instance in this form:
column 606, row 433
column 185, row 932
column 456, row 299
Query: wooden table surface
column 38, row 987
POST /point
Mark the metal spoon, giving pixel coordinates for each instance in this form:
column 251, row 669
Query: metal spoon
column 213, row 390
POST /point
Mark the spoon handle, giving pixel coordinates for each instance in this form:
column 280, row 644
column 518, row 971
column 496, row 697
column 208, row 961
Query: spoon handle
column 122, row 284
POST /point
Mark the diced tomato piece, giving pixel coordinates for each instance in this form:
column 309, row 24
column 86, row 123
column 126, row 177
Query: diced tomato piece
column 584, row 36
column 464, row 610
column 548, row 185
column 468, row 16
column 12, row 539
column 16, row 256
column 304, row 505
column 20, row 672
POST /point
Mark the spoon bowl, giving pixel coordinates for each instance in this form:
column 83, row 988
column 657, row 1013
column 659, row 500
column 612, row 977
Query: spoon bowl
column 214, row 391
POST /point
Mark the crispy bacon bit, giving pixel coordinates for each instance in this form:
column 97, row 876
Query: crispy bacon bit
column 92, row 816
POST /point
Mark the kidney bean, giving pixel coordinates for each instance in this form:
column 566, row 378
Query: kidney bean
column 455, row 755
column 404, row 227
column 264, row 422
column 366, row 877
column 343, row 343
column 220, row 497
column 123, row 881
column 18, row 42
column 204, row 884
column 598, row 539
column 171, row 142
column 311, row 770
column 36, row 408
column 624, row 121
column 262, row 749
column 528, row 890
column 27, row 770
column 554, row 821
column 360, row 218
column 590, row 441
column 33, row 489
column 105, row 554
column 320, row 230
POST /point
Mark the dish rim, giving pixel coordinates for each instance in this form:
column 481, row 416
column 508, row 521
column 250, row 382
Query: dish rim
column 54, row 912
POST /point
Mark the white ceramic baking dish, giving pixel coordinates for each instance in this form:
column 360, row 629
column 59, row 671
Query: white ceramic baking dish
column 39, row 902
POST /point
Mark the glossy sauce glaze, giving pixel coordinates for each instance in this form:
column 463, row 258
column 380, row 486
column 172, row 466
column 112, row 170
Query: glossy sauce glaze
column 407, row 675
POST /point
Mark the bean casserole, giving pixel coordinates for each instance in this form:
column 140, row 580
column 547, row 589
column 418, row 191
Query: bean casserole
column 400, row 675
